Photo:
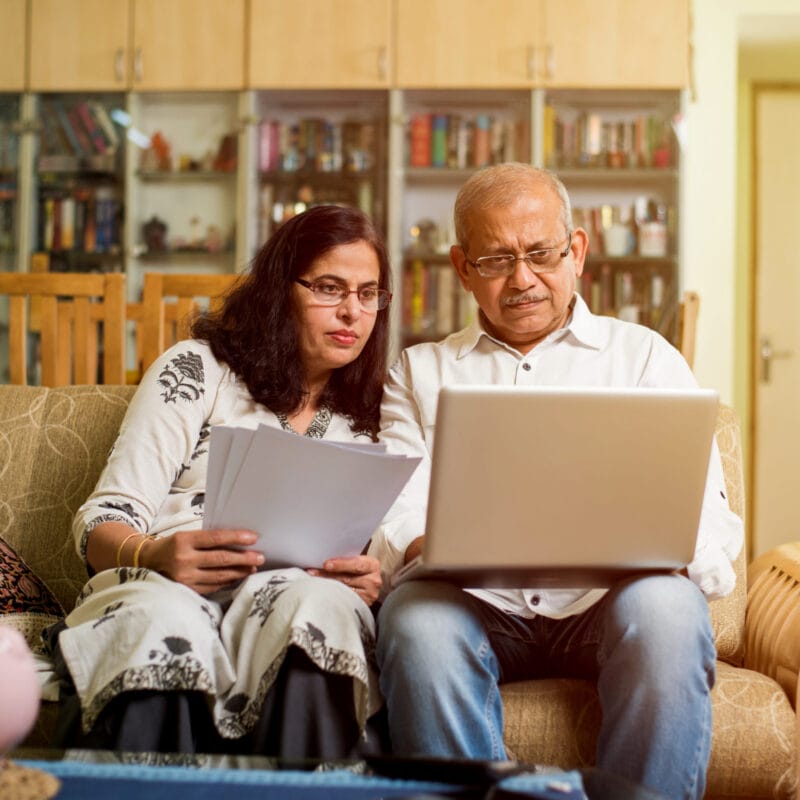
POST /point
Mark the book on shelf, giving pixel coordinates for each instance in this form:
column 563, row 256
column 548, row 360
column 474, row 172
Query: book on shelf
column 106, row 124
column 96, row 137
column 586, row 138
column 420, row 140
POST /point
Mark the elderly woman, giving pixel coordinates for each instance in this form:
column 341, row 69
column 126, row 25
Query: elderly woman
column 185, row 639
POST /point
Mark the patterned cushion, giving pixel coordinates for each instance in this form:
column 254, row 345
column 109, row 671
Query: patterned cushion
column 26, row 604
column 53, row 445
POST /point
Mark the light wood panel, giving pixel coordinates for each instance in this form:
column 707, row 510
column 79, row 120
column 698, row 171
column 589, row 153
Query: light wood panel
column 466, row 43
column 79, row 45
column 12, row 45
column 615, row 44
column 319, row 44
column 188, row 44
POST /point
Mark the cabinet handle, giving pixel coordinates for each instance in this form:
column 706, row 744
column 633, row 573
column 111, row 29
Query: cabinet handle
column 119, row 65
column 531, row 61
column 549, row 62
column 138, row 66
column 382, row 63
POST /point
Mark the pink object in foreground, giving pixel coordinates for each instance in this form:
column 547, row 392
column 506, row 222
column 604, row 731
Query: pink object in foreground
column 19, row 689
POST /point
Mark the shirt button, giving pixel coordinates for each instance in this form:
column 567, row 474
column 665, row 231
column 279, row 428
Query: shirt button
column 535, row 600
column 526, row 366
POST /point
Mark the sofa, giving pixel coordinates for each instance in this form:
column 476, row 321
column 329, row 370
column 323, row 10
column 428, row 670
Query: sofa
column 54, row 442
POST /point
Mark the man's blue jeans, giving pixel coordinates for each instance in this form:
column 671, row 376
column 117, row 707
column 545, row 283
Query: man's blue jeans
column 648, row 643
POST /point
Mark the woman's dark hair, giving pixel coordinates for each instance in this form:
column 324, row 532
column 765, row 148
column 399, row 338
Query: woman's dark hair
column 255, row 331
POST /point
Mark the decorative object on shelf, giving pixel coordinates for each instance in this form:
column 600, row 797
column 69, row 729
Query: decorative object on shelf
column 155, row 235
column 157, row 157
column 225, row 160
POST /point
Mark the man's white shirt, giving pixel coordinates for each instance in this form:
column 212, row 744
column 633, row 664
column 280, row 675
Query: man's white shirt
column 589, row 351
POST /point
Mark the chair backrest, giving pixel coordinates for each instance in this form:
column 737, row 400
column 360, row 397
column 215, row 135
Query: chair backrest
column 71, row 311
column 687, row 324
column 169, row 303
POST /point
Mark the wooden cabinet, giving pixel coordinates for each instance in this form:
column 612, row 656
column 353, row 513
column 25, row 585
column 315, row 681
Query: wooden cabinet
column 466, row 43
column 554, row 43
column 615, row 44
column 324, row 44
column 12, row 46
column 99, row 45
column 188, row 45
column 78, row 45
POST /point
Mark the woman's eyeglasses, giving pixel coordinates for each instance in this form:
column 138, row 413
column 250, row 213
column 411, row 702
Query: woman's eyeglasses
column 328, row 293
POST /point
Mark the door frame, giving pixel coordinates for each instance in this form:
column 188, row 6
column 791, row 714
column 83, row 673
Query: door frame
column 757, row 89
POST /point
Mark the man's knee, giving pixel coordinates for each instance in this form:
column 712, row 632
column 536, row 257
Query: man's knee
column 662, row 616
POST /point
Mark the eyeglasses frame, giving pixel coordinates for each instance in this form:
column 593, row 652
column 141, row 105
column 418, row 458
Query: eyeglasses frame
column 381, row 293
column 526, row 257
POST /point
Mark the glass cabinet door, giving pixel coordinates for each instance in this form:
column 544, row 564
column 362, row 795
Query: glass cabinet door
column 9, row 167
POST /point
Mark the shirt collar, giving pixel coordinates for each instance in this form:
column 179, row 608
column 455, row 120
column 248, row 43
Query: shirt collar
column 583, row 326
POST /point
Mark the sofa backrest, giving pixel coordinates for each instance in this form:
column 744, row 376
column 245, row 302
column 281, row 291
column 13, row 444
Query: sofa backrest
column 54, row 444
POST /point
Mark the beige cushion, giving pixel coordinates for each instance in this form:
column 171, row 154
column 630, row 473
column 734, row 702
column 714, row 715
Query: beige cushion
column 53, row 444
column 727, row 614
column 556, row 721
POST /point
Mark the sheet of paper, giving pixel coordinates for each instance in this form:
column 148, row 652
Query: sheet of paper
column 308, row 501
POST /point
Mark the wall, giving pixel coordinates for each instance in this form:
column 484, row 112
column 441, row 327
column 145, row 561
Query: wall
column 709, row 241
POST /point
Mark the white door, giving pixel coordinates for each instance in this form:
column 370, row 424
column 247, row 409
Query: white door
column 776, row 435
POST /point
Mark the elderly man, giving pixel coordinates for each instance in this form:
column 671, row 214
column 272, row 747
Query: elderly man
column 647, row 641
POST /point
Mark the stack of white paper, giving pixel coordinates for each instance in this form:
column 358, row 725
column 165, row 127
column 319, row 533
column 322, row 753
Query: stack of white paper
column 307, row 499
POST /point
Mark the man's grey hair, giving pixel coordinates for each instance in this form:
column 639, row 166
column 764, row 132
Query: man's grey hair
column 499, row 186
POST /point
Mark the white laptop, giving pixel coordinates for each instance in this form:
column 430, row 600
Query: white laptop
column 572, row 487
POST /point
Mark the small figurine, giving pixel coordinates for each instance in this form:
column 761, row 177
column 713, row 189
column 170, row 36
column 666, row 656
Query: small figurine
column 155, row 234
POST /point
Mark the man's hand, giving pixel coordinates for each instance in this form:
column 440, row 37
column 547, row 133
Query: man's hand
column 414, row 549
column 203, row 560
column 361, row 573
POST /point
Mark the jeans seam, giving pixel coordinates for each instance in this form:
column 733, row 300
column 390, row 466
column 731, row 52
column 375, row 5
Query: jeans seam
column 484, row 650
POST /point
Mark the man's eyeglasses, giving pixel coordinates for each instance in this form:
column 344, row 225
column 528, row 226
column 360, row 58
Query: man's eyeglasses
column 539, row 261
column 328, row 293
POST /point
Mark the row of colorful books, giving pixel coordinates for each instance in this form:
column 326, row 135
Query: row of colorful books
column 315, row 144
column 573, row 138
column 81, row 129
column 456, row 141
column 87, row 220
column 434, row 304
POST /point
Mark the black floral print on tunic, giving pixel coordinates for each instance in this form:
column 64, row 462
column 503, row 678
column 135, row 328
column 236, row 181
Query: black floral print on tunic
column 199, row 450
column 184, row 378
column 264, row 599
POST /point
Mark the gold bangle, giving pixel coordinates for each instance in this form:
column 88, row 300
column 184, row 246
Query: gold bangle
column 145, row 540
column 124, row 542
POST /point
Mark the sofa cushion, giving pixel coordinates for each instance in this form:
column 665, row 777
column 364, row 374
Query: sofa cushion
column 727, row 614
column 26, row 604
column 53, row 445
column 556, row 721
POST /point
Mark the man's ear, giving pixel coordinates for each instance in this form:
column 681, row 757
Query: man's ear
column 459, row 261
column 579, row 248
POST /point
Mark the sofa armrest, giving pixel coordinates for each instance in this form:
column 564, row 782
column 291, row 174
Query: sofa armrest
column 773, row 616
column 772, row 623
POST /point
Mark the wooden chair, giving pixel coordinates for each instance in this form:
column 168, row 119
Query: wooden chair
column 68, row 308
column 169, row 303
column 687, row 324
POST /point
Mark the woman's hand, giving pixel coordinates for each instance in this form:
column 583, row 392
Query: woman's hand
column 361, row 573
column 203, row 560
